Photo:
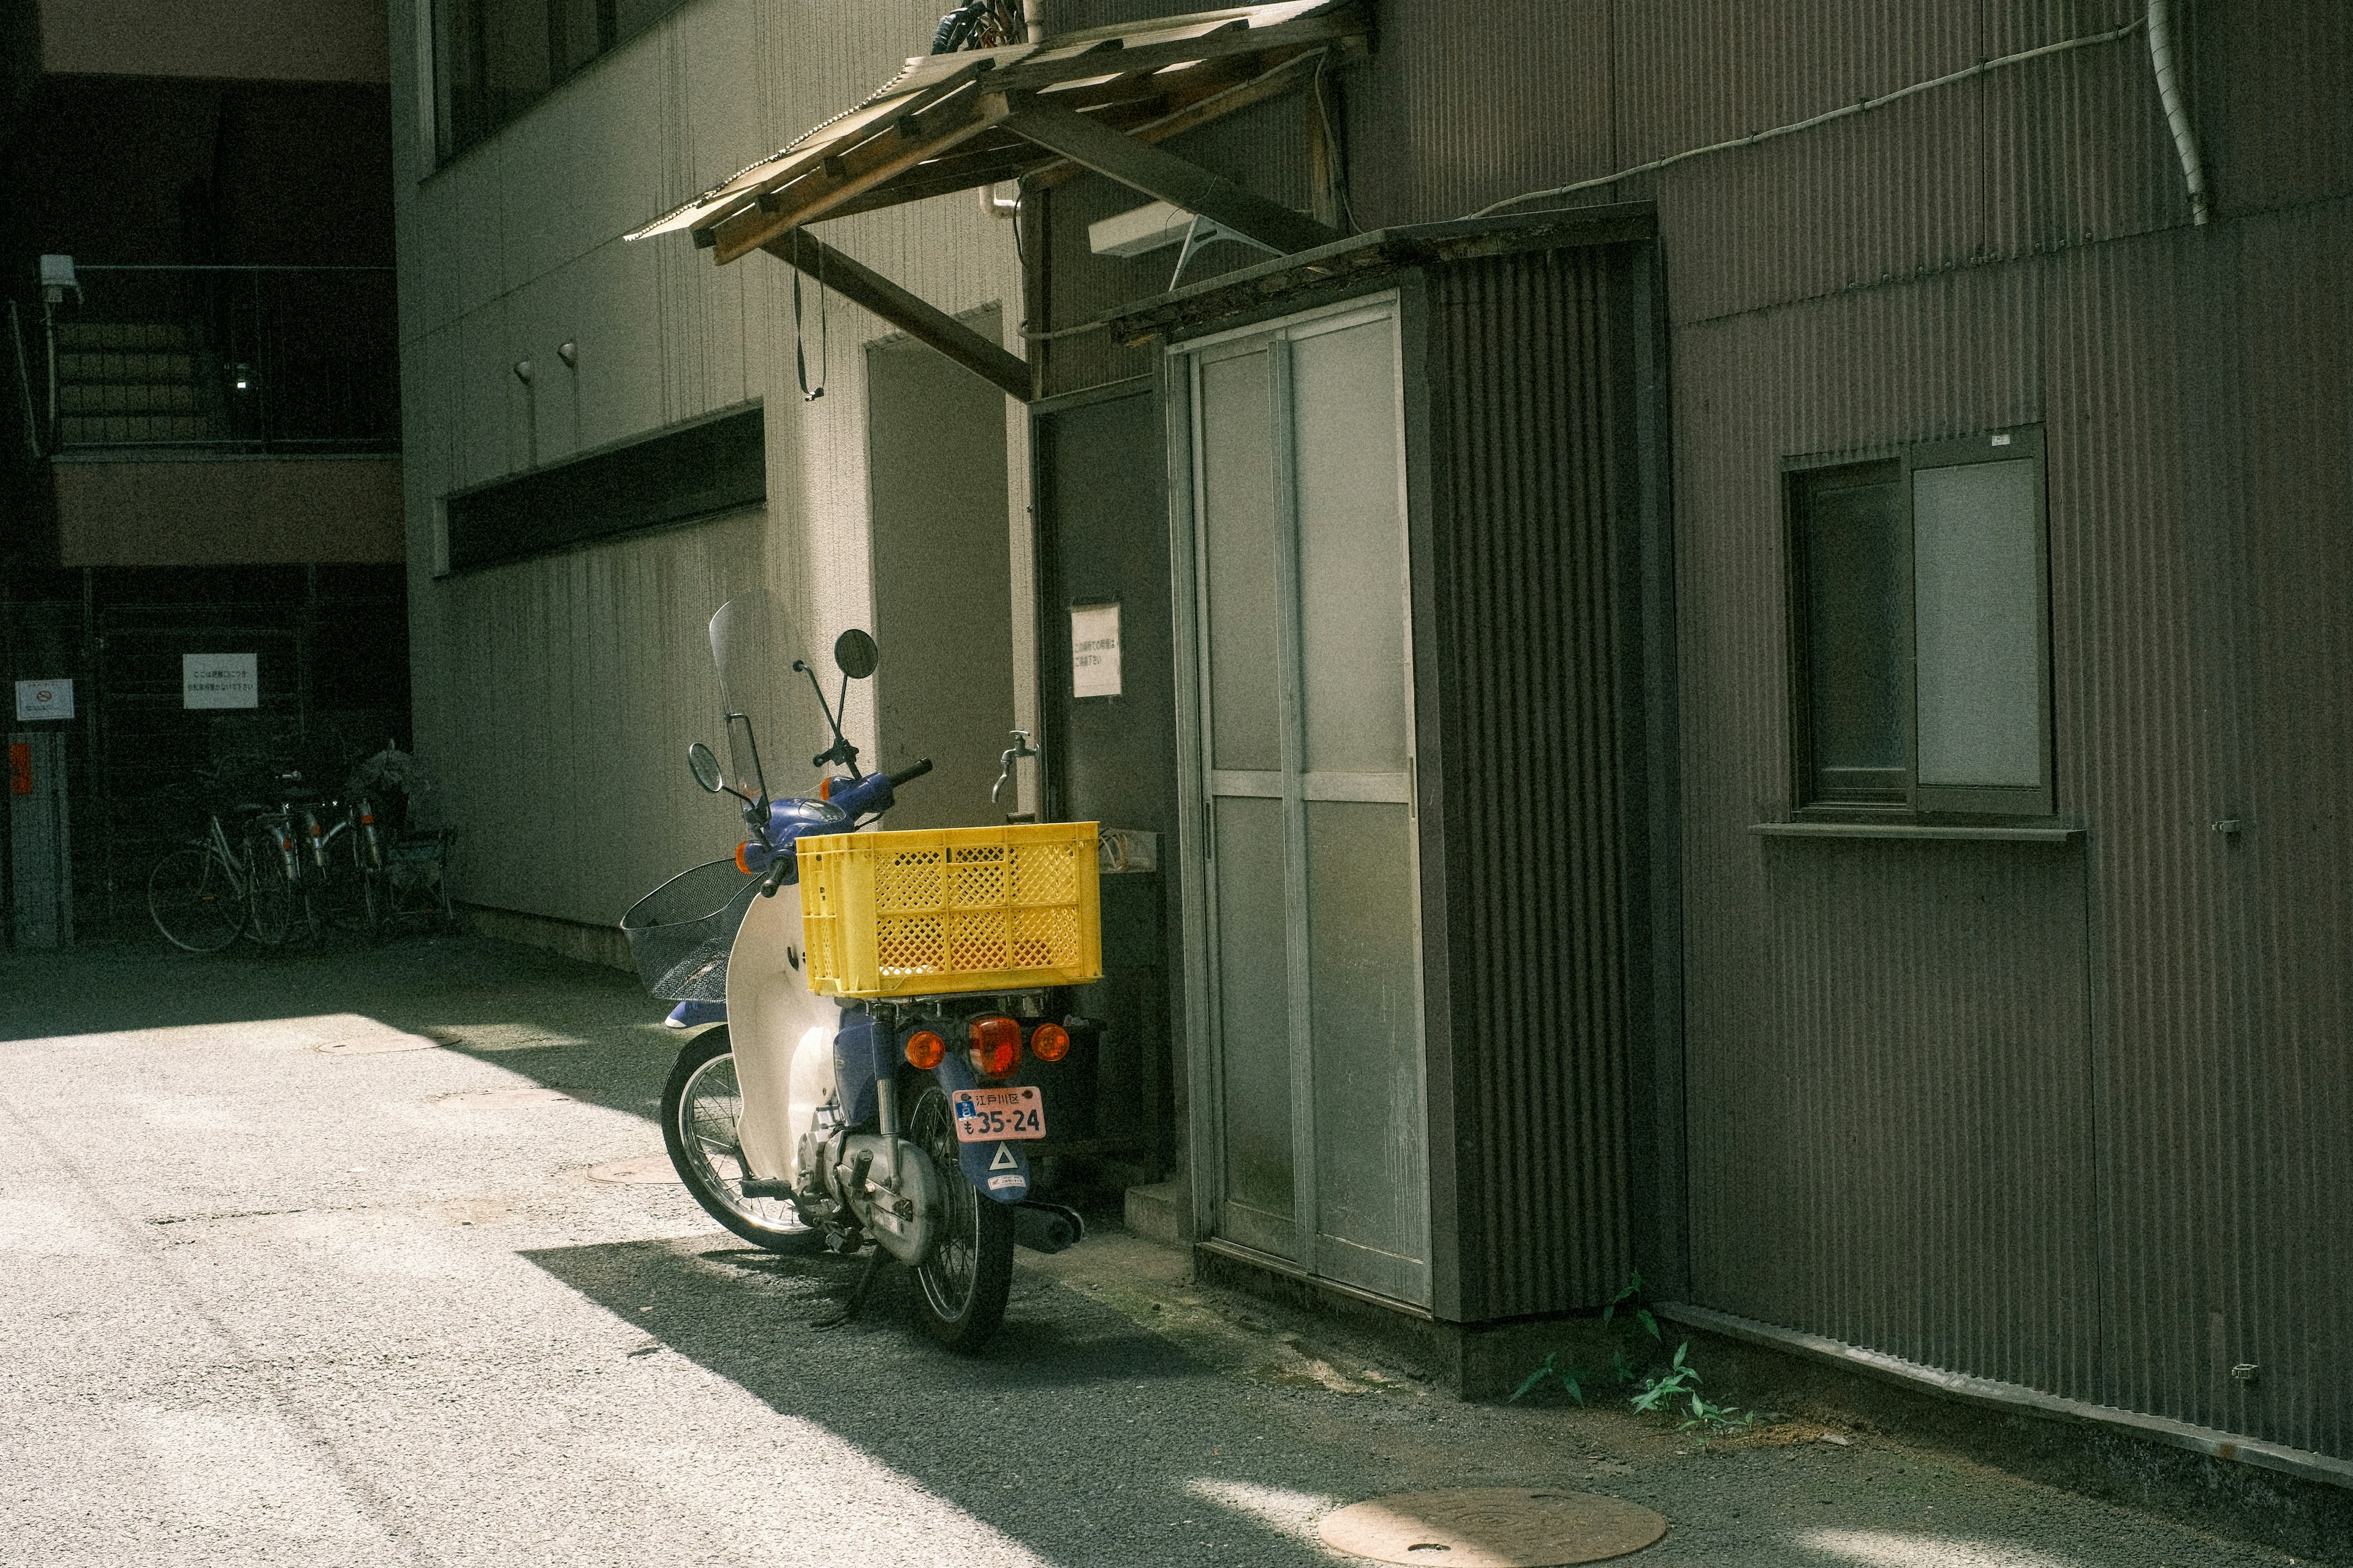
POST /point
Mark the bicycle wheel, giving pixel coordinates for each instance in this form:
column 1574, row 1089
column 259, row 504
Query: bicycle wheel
column 372, row 903
column 269, row 892
column 193, row 898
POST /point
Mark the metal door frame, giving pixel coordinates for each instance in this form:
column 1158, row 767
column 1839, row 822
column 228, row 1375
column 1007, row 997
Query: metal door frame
column 1180, row 366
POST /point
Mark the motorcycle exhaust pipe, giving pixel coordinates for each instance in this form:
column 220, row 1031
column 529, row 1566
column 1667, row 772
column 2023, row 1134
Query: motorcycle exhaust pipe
column 1046, row 1227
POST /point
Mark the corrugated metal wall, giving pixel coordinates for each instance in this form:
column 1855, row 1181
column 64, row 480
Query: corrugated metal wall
column 1530, row 516
column 2071, row 1116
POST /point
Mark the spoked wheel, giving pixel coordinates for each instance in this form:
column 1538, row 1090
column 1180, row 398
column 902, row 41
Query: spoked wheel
column 961, row 1288
column 195, row 902
column 271, row 899
column 700, row 1107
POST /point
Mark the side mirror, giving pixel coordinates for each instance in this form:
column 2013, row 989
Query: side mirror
column 855, row 655
column 704, row 762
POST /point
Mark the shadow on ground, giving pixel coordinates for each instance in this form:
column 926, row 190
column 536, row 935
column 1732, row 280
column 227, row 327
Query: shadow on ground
column 1069, row 1393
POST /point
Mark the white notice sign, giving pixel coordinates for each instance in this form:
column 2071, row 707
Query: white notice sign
column 43, row 699
column 1095, row 650
column 218, row 680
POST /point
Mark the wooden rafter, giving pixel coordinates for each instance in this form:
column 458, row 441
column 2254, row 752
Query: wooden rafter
column 1037, row 112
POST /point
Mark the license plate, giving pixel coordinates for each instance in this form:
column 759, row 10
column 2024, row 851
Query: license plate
column 985, row 1115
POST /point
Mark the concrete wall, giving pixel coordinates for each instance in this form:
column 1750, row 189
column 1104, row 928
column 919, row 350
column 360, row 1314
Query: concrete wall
column 557, row 697
column 229, row 512
column 243, row 40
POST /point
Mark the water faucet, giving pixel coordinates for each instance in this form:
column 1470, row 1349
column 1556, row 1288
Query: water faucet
column 1013, row 753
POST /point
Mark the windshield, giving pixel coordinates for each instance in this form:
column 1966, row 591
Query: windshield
column 742, row 645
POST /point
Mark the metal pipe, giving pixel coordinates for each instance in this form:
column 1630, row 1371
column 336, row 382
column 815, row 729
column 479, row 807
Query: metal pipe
column 25, row 383
column 1033, row 14
column 50, row 331
column 2177, row 115
column 1844, row 112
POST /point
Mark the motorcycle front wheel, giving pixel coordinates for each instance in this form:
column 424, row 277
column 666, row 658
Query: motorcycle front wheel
column 700, row 1107
column 960, row 1288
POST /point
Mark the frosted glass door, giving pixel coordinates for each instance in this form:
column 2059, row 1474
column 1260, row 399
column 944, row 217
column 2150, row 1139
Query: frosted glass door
column 1306, row 759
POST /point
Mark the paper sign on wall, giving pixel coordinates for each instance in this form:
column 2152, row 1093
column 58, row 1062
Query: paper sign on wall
column 218, row 680
column 1095, row 650
column 43, row 699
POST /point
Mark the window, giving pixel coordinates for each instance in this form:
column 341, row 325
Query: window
column 1921, row 665
column 704, row 470
column 494, row 58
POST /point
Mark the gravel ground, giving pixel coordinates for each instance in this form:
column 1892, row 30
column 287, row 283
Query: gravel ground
column 302, row 1262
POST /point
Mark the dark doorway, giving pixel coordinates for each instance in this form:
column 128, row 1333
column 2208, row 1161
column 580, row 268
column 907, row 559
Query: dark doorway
column 942, row 577
column 1102, row 542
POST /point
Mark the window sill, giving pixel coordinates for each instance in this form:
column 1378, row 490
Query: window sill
column 2025, row 833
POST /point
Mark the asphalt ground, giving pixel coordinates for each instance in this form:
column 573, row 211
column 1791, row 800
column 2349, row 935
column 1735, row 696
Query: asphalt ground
column 301, row 1262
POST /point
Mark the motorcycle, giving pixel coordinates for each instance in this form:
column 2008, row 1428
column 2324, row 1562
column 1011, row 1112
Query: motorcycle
column 899, row 1123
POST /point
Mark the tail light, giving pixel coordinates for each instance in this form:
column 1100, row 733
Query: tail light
column 1050, row 1042
column 996, row 1047
column 925, row 1050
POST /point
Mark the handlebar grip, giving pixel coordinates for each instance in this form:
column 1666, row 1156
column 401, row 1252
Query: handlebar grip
column 906, row 775
column 776, row 877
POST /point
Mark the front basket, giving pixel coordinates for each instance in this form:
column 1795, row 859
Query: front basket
column 680, row 932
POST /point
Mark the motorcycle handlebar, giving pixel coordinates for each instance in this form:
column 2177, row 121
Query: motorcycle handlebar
column 912, row 772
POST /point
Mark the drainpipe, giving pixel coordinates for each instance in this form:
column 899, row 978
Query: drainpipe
column 1033, row 12
column 2177, row 117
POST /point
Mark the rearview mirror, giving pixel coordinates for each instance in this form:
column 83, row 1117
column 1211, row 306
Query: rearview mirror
column 855, row 655
column 704, row 762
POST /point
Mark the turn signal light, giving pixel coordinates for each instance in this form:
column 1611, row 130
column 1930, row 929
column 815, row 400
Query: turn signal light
column 925, row 1050
column 741, row 851
column 1050, row 1042
column 996, row 1047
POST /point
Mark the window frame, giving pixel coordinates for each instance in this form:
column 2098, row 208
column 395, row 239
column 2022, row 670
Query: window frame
column 1802, row 475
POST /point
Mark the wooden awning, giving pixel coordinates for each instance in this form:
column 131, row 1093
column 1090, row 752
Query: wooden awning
column 1043, row 112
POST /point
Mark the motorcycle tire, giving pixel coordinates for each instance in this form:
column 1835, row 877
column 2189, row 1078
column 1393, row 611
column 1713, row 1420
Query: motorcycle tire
column 699, row 1107
column 960, row 1289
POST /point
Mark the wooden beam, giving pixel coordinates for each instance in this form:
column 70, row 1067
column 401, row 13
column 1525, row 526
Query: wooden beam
column 1305, row 32
column 1157, row 174
column 924, row 322
column 843, row 175
column 1195, row 111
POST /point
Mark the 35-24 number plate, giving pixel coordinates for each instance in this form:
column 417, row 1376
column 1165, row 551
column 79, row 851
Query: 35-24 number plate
column 987, row 1114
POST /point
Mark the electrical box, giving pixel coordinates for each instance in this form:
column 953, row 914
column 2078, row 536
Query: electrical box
column 40, row 857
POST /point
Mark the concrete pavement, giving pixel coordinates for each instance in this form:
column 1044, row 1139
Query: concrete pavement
column 301, row 1262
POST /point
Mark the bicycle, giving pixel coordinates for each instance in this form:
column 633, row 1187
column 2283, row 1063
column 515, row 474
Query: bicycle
column 206, row 893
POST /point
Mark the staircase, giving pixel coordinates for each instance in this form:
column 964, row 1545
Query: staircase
column 127, row 384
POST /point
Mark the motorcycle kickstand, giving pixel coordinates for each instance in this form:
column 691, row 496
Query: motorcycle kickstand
column 858, row 1295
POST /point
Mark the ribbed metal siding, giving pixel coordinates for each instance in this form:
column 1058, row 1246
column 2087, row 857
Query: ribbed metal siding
column 1530, row 511
column 2207, row 540
column 2071, row 1117
column 1889, row 1067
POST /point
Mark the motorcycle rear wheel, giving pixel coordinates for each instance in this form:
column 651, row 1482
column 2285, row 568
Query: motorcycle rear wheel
column 700, row 1109
column 960, row 1289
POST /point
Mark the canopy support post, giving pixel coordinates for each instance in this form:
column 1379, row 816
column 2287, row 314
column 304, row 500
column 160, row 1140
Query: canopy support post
column 925, row 322
column 1159, row 174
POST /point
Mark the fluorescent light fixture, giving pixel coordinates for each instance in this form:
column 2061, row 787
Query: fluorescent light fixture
column 1154, row 226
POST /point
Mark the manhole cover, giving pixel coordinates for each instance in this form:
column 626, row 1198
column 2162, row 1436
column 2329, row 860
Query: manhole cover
column 1492, row 1526
column 644, row 1170
column 502, row 1098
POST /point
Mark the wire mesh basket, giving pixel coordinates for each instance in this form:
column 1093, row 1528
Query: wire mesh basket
column 680, row 932
column 951, row 910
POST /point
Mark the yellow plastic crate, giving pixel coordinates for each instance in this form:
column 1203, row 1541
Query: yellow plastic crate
column 951, row 910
